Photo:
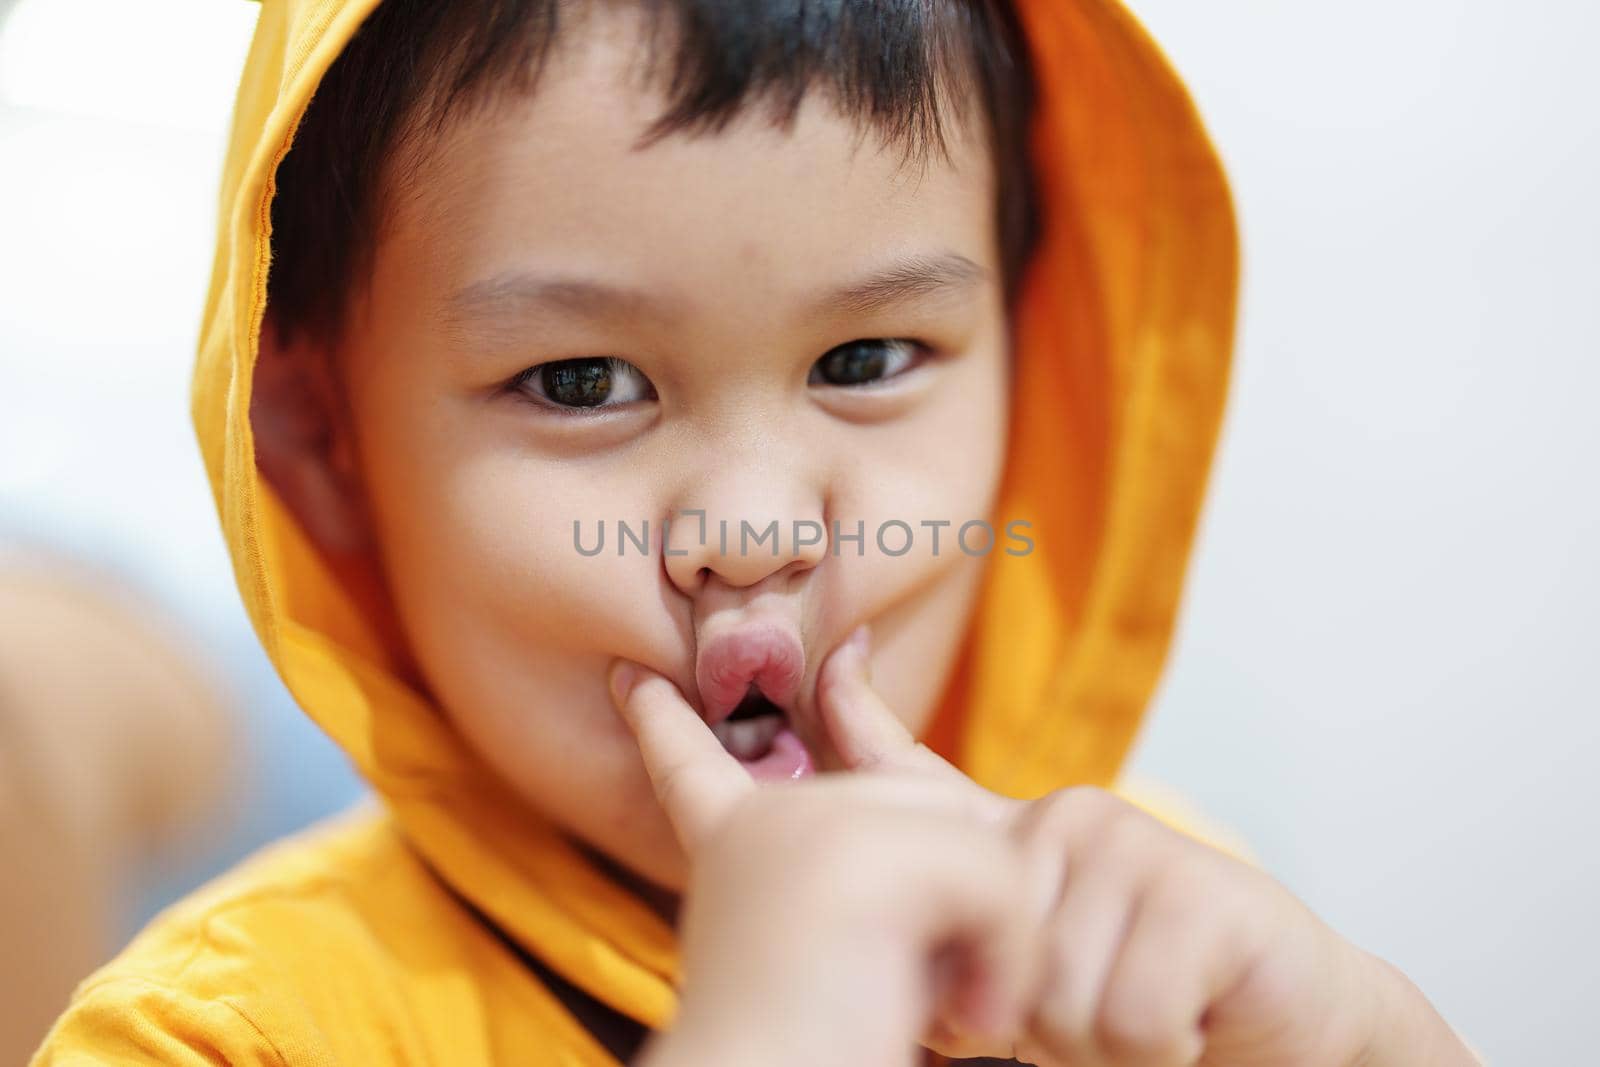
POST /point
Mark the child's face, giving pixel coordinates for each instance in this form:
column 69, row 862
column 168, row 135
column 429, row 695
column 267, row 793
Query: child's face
column 535, row 232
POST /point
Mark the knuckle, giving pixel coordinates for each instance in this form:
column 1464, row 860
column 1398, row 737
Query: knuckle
column 1055, row 818
column 1091, row 800
column 1125, row 833
column 1075, row 812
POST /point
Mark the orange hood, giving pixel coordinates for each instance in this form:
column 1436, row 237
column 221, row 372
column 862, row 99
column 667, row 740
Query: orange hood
column 1125, row 329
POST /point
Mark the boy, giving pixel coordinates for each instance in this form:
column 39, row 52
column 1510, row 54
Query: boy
column 835, row 278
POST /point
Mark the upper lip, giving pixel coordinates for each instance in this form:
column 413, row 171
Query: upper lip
column 766, row 653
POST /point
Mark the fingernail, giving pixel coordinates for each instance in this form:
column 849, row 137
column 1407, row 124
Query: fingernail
column 623, row 677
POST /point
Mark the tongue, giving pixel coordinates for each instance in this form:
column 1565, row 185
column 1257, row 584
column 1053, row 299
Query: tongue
column 766, row 747
column 786, row 759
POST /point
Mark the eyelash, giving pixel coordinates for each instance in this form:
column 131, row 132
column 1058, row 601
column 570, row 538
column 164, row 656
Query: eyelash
column 617, row 366
column 918, row 354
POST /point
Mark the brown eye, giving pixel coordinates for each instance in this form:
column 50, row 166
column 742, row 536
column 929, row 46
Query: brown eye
column 864, row 362
column 587, row 382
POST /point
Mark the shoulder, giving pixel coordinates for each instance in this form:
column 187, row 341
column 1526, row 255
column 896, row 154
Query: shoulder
column 307, row 952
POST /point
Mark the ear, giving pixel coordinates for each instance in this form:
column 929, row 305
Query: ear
column 304, row 440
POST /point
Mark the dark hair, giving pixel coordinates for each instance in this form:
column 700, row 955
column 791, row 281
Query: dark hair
column 890, row 64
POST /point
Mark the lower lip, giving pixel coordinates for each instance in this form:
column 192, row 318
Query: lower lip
column 786, row 760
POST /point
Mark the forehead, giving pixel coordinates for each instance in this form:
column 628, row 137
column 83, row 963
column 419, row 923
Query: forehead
column 561, row 176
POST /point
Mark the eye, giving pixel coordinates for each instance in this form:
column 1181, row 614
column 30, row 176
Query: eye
column 587, row 382
column 866, row 361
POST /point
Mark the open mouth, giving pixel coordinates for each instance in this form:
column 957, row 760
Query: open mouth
column 756, row 722
column 749, row 679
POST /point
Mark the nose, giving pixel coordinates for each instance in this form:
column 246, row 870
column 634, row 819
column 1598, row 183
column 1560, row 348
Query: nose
column 743, row 526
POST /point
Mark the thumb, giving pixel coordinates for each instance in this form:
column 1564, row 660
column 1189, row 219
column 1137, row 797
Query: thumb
column 869, row 736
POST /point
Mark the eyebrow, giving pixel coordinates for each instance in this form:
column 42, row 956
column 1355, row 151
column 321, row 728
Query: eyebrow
column 515, row 292
column 915, row 276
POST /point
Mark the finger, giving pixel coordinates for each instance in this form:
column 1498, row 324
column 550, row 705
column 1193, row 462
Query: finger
column 967, row 911
column 696, row 780
column 1080, row 945
column 869, row 736
column 905, row 890
column 1161, row 985
column 866, row 734
column 1040, row 884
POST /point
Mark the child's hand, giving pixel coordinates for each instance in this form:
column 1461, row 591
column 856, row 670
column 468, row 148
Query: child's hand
column 1154, row 949
column 827, row 920
column 1141, row 945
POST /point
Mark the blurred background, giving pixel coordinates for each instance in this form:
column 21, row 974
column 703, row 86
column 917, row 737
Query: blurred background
column 1385, row 679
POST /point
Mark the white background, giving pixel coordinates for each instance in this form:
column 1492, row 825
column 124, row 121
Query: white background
column 1385, row 676
column 1386, row 673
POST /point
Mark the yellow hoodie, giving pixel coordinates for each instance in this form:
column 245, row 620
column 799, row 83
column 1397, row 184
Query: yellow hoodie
column 364, row 941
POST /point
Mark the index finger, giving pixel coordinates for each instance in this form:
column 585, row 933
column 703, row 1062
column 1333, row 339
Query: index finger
column 869, row 736
column 696, row 780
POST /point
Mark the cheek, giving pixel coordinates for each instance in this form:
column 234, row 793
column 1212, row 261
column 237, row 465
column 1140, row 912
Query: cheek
column 482, row 553
column 942, row 464
column 943, row 460
column 511, row 626
column 477, row 544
